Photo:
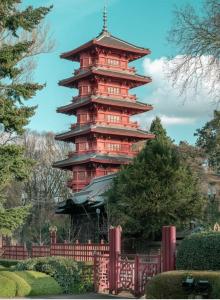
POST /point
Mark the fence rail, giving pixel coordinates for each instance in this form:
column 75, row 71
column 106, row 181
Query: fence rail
column 78, row 252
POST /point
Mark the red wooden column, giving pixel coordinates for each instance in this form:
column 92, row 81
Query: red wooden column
column 168, row 248
column 114, row 252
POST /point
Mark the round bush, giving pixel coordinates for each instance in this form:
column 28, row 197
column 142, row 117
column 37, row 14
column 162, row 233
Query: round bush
column 199, row 251
column 7, row 287
column 68, row 273
column 168, row 285
column 22, row 287
column 40, row 283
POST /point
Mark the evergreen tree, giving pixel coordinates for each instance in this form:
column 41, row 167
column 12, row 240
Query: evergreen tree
column 14, row 113
column 157, row 189
column 209, row 140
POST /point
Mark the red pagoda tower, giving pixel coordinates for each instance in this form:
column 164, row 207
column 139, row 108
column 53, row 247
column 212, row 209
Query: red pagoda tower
column 103, row 134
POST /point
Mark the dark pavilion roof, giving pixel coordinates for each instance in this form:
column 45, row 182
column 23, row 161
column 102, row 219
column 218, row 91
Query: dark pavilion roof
column 94, row 128
column 125, row 103
column 84, row 73
column 91, row 196
column 92, row 157
column 107, row 40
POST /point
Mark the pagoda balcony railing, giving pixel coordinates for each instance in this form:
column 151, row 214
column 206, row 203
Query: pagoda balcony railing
column 104, row 123
column 128, row 152
column 129, row 70
column 73, row 183
column 106, row 95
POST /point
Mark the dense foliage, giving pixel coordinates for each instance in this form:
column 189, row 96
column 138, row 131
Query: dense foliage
column 208, row 139
column 199, row 251
column 158, row 188
column 16, row 44
column 71, row 275
column 168, row 285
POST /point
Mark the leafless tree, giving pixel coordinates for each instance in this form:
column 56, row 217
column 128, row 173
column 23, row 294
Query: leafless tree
column 196, row 34
column 45, row 187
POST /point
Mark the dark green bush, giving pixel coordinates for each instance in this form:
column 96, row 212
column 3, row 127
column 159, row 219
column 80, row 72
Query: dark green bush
column 7, row 287
column 22, row 287
column 70, row 275
column 199, row 251
column 8, row 262
column 168, row 285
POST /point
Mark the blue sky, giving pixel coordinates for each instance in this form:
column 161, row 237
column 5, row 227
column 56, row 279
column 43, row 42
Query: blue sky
column 142, row 22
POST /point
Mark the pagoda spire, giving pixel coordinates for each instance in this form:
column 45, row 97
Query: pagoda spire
column 105, row 18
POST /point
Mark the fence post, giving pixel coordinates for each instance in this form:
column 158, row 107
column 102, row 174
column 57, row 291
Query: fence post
column 96, row 273
column 136, row 276
column 168, row 248
column 114, row 255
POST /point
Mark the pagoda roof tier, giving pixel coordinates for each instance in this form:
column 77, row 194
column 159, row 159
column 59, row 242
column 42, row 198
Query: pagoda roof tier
column 108, row 41
column 134, row 78
column 78, row 159
column 91, row 196
column 104, row 130
column 136, row 107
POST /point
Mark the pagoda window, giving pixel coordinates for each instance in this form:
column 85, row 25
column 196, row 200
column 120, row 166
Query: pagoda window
column 81, row 175
column 112, row 62
column 113, row 90
column 114, row 147
column 83, row 146
column 84, row 90
column 85, row 62
column 113, row 119
column 83, row 118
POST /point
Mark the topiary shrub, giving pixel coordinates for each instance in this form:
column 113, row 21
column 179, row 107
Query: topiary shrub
column 7, row 287
column 199, row 251
column 168, row 285
column 22, row 287
column 40, row 283
column 67, row 272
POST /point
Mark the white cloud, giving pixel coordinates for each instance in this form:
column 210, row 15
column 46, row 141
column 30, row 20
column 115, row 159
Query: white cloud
column 172, row 108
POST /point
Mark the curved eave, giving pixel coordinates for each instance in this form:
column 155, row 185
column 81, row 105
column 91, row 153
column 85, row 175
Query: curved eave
column 137, row 52
column 136, row 79
column 69, row 162
column 138, row 134
column 135, row 107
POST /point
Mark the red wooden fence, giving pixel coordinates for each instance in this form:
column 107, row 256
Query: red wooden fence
column 14, row 252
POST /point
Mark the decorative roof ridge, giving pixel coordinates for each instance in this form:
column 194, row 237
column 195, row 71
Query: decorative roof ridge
column 107, row 34
column 96, row 70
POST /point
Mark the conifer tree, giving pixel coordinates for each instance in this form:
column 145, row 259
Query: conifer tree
column 14, row 92
column 157, row 189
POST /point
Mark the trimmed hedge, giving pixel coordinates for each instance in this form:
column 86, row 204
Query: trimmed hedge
column 22, row 287
column 8, row 262
column 7, row 287
column 72, row 276
column 40, row 283
column 168, row 285
column 199, row 251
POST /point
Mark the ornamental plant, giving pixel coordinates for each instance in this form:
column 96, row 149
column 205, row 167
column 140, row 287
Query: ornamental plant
column 199, row 251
